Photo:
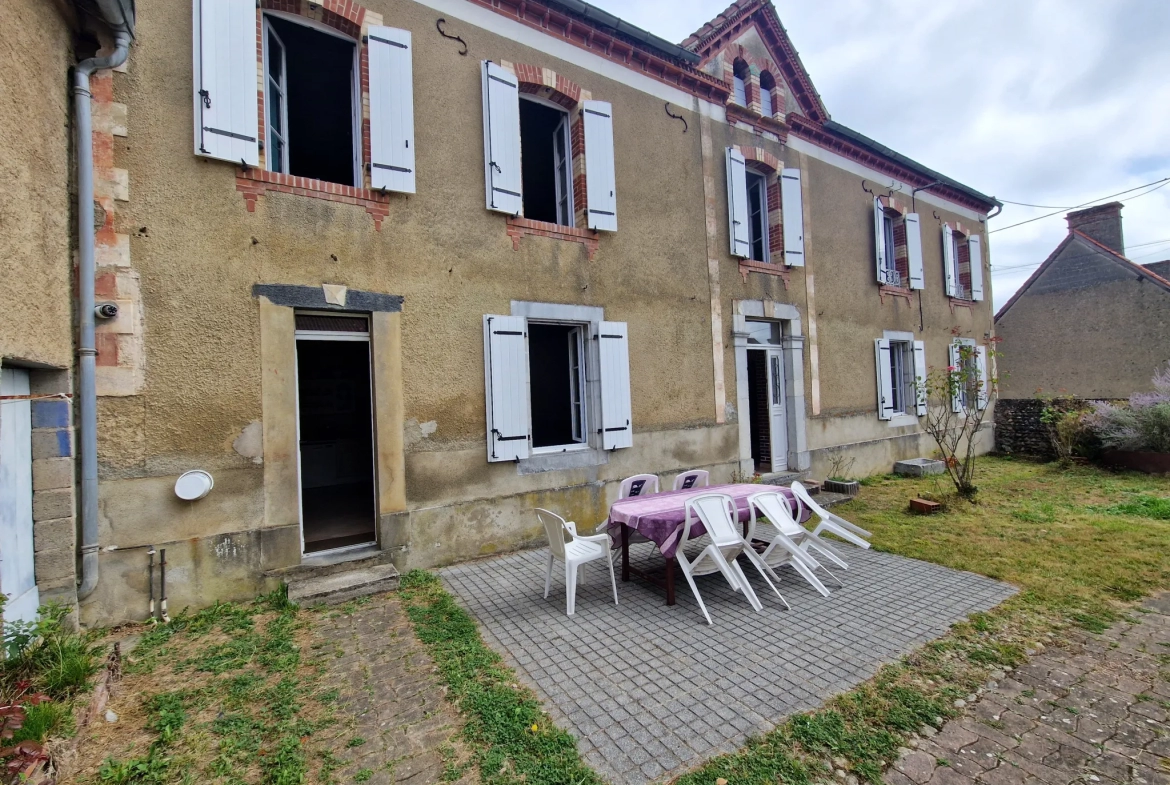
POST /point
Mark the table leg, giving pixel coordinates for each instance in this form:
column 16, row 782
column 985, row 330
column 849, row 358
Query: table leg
column 670, row 581
column 625, row 553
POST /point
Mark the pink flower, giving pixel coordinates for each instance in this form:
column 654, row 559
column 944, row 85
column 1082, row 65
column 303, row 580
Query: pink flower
column 950, row 369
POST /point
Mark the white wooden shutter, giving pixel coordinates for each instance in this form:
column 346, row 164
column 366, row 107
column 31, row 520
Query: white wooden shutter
column 984, row 376
column 879, row 234
column 226, row 102
column 501, row 140
column 600, row 173
column 391, row 109
column 737, row 204
column 920, row 377
column 949, row 261
column 614, row 351
column 885, row 381
column 975, row 251
column 957, row 364
column 505, row 352
column 914, row 250
column 792, row 210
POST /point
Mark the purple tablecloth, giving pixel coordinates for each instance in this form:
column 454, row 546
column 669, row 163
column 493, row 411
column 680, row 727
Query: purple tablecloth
column 660, row 516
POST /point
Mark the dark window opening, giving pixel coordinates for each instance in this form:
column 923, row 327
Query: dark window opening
column 758, row 410
column 889, row 248
column 336, row 444
column 767, row 83
column 758, row 216
column 310, row 96
column 546, row 163
column 556, row 373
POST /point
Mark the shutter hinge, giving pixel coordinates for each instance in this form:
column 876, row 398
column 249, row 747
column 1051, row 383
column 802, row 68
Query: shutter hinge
column 206, row 96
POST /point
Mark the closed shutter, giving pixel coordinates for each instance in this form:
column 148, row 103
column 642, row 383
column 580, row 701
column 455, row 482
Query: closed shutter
column 984, row 376
column 600, row 174
column 920, row 377
column 505, row 349
column 949, row 261
column 792, row 208
column 914, row 251
column 226, row 102
column 879, row 234
column 956, row 365
column 737, row 204
column 614, row 351
column 391, row 110
column 885, row 381
column 975, row 251
column 501, row 140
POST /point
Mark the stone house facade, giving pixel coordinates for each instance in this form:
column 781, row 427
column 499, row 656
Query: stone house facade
column 1089, row 322
column 394, row 273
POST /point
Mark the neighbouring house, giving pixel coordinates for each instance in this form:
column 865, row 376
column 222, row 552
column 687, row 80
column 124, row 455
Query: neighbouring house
column 1160, row 269
column 1089, row 322
column 395, row 272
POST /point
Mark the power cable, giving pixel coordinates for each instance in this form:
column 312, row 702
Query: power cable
column 1158, row 183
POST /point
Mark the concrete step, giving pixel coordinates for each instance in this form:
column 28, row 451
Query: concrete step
column 339, row 587
column 782, row 478
column 332, row 562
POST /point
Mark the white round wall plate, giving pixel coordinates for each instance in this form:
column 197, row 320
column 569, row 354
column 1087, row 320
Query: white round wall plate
column 193, row 485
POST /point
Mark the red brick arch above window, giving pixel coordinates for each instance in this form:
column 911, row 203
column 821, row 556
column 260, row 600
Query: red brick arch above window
column 342, row 15
column 761, row 158
column 547, row 83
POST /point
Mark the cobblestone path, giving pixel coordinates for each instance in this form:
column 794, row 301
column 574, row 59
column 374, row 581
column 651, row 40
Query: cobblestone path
column 1093, row 711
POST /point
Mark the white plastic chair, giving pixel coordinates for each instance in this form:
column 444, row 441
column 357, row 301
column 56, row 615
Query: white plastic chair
column 834, row 524
column 638, row 485
column 792, row 541
column 718, row 514
column 695, row 478
column 574, row 551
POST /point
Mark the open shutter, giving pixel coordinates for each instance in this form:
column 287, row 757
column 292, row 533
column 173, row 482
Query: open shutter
column 914, row 251
column 391, row 110
column 984, row 376
column 505, row 350
column 226, row 102
column 879, row 235
column 957, row 364
column 949, row 261
column 615, row 428
column 501, row 140
column 885, row 381
column 975, row 251
column 737, row 204
column 600, row 174
column 920, row 377
column 792, row 210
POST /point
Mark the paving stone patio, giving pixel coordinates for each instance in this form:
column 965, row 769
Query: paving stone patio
column 651, row 690
column 1093, row 710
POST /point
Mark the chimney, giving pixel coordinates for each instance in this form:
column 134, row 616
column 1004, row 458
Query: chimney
column 1102, row 223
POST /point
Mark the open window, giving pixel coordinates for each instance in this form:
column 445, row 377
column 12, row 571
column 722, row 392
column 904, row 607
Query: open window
column 555, row 386
column 546, row 162
column 311, row 101
column 757, row 186
column 901, row 377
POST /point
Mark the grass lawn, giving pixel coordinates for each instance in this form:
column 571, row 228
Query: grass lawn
column 1080, row 544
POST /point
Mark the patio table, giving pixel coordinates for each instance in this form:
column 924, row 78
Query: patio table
column 659, row 517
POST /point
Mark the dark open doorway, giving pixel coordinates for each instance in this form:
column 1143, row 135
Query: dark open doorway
column 336, row 438
column 758, row 413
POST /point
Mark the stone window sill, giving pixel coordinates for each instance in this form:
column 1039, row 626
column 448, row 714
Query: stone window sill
column 254, row 181
column 885, row 291
column 523, row 227
column 782, row 271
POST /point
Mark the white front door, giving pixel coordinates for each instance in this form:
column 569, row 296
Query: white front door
column 777, row 417
column 17, row 578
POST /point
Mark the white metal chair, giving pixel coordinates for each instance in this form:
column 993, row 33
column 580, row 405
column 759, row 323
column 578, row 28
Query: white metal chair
column 574, row 551
column 695, row 478
column 834, row 524
column 791, row 543
column 717, row 513
column 638, row 485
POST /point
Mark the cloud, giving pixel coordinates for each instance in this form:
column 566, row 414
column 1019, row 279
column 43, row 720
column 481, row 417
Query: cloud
column 1054, row 102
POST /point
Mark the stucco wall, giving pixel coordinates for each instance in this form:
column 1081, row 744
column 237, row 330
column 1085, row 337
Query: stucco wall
column 37, row 43
column 1087, row 327
column 197, row 251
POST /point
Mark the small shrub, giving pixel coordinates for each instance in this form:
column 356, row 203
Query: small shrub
column 1141, row 426
column 1066, row 420
column 48, row 656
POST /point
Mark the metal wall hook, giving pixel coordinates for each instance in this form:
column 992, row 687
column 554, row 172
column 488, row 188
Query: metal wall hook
column 439, row 26
column 676, row 117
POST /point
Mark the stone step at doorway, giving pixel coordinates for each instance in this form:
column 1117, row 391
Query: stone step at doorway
column 338, row 587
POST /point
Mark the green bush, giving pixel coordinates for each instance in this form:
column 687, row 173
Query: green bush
column 49, row 656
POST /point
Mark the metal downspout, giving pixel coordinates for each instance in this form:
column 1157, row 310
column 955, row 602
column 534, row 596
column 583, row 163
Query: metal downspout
column 87, row 403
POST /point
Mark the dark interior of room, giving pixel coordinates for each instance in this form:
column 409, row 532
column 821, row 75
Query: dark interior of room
column 538, row 123
column 548, row 360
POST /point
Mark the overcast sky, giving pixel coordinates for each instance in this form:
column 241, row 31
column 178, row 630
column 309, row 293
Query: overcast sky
column 1049, row 102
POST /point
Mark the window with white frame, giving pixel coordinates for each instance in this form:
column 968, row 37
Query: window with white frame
column 757, row 186
column 555, row 385
column 889, row 272
column 740, row 76
column 752, row 205
column 311, row 100
column 546, row 161
column 970, row 360
column 962, row 264
column 767, row 84
column 901, row 376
